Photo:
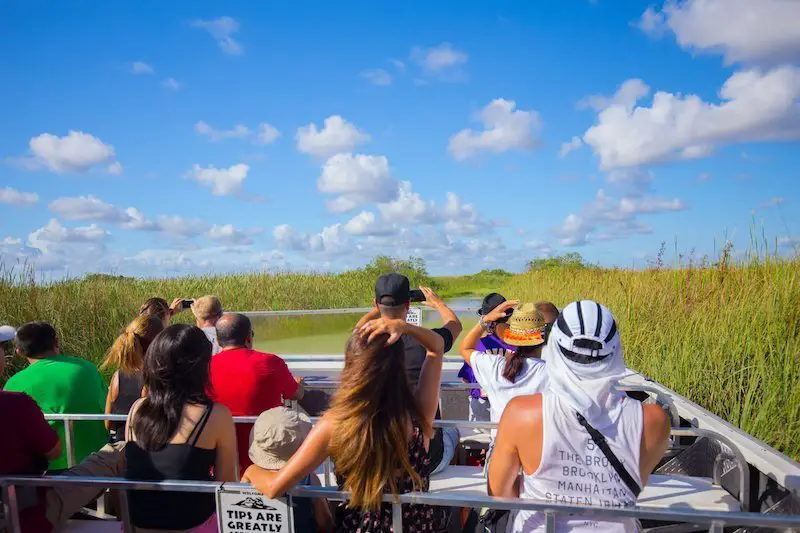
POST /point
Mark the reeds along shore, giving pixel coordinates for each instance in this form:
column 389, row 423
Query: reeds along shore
column 726, row 336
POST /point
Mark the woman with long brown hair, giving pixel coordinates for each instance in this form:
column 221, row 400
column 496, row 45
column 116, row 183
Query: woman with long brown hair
column 377, row 431
column 127, row 356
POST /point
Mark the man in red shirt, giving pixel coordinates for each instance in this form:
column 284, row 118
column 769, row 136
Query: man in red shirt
column 246, row 381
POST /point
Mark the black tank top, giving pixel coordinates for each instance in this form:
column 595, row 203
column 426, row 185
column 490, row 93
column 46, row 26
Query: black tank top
column 171, row 510
column 129, row 390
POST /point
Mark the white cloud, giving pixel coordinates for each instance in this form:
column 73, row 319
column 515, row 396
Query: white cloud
column 409, row 206
column 357, row 180
column 12, row 196
column 606, row 218
column 704, row 176
column 756, row 106
column 398, row 65
column 772, row 202
column 223, row 181
column 443, row 61
column 227, row 234
column 137, row 221
column 172, row 84
column 54, row 232
column 569, row 146
column 140, row 67
column 627, row 95
column 366, row 223
column 506, row 128
column 377, row 76
column 87, row 208
column 755, row 32
column 222, row 29
column 266, row 134
column 263, row 134
column 177, row 226
column 336, row 136
column 75, row 152
column 788, row 241
column 331, row 241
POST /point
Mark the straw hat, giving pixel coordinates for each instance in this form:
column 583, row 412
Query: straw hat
column 277, row 435
column 526, row 327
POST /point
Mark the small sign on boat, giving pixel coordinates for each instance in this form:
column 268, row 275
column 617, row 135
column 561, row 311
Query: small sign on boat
column 414, row 316
column 242, row 511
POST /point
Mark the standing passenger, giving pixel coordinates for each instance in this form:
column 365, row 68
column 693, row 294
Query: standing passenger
column 127, row 355
column 567, row 439
column 207, row 311
column 378, row 432
column 505, row 374
column 177, row 432
column 392, row 301
column 159, row 307
column 246, row 381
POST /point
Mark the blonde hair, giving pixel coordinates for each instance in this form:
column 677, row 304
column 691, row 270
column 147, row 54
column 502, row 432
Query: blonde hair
column 207, row 308
column 371, row 409
column 127, row 352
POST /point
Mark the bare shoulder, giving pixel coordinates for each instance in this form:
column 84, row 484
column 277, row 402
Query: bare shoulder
column 656, row 421
column 220, row 413
column 524, row 410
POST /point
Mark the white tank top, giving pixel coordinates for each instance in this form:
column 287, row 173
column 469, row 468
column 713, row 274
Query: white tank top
column 574, row 470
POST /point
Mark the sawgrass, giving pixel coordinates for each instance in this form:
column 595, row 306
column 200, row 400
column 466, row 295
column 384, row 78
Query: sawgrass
column 726, row 336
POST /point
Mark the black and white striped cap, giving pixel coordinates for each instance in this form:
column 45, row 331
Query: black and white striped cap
column 586, row 332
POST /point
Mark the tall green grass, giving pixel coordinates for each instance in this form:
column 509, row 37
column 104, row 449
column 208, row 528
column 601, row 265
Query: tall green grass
column 725, row 336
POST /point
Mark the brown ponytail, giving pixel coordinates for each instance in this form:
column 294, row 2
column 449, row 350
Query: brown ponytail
column 127, row 352
column 517, row 359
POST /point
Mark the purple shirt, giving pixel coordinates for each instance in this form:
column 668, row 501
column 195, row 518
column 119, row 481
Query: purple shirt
column 489, row 344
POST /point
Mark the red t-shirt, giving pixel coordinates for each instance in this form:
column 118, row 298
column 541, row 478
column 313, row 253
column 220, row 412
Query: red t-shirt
column 248, row 383
column 26, row 435
column 26, row 438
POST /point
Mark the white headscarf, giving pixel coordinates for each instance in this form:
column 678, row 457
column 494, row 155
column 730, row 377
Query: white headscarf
column 584, row 361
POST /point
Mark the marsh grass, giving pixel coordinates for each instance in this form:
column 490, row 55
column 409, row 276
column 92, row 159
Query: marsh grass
column 727, row 336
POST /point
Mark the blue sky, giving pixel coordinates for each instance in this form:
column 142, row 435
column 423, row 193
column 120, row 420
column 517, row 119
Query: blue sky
column 154, row 140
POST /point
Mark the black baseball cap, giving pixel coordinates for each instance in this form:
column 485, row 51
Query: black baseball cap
column 392, row 289
column 491, row 301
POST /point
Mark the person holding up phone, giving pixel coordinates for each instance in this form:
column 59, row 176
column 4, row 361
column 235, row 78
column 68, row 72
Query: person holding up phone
column 393, row 296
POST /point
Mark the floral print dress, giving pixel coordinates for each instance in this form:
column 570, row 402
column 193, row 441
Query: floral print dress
column 416, row 518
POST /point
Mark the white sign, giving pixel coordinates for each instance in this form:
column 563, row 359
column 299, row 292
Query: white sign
column 242, row 511
column 414, row 316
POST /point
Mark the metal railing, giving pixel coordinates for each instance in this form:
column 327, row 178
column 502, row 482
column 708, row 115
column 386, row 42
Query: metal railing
column 716, row 519
column 736, row 454
column 348, row 310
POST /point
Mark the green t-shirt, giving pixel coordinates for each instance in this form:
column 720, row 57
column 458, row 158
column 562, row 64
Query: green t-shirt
column 65, row 384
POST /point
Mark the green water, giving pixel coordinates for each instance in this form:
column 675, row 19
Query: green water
column 327, row 334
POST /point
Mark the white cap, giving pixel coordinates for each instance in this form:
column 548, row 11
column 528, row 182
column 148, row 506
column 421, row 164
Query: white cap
column 7, row 333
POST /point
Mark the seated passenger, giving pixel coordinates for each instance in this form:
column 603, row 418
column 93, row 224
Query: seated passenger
column 246, row 381
column 276, row 436
column 207, row 311
column 159, row 307
column 127, row 355
column 489, row 343
column 177, row 432
column 392, row 301
column 558, row 437
column 60, row 384
column 377, row 432
column 505, row 374
column 28, row 443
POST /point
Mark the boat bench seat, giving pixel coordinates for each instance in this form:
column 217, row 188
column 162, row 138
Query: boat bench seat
column 91, row 526
column 661, row 492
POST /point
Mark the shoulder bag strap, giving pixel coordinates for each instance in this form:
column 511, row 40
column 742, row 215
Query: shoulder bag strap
column 601, row 443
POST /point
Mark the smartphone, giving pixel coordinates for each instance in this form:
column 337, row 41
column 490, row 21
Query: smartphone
column 187, row 304
column 416, row 295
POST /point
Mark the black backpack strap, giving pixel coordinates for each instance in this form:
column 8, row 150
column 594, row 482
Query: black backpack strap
column 601, row 443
